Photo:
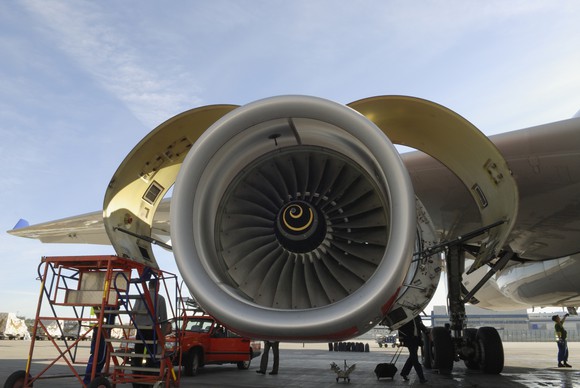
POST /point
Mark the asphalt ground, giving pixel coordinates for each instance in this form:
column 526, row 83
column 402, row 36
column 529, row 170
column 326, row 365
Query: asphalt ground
column 527, row 364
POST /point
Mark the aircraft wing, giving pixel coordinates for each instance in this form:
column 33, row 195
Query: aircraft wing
column 86, row 228
column 83, row 229
column 545, row 163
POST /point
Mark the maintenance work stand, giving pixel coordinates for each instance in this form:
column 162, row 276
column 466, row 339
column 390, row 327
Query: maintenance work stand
column 95, row 297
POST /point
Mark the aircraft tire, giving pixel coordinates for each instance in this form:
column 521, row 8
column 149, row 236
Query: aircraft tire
column 492, row 357
column 441, row 350
column 471, row 336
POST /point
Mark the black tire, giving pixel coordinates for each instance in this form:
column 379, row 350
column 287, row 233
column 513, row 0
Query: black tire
column 16, row 379
column 191, row 362
column 426, row 351
column 470, row 335
column 244, row 364
column 442, row 352
column 491, row 348
column 100, row 382
column 185, row 360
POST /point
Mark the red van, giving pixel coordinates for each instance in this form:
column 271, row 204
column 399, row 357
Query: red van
column 204, row 341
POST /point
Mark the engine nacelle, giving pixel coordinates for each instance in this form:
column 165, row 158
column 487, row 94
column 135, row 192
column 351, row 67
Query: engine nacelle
column 293, row 217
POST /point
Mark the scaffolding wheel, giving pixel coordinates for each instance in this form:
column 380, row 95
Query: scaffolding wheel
column 16, row 379
column 99, row 382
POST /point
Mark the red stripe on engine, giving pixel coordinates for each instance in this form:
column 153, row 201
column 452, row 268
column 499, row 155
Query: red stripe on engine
column 390, row 302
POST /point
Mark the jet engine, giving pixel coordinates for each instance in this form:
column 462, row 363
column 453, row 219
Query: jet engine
column 294, row 218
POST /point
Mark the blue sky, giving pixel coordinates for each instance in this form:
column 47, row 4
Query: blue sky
column 82, row 82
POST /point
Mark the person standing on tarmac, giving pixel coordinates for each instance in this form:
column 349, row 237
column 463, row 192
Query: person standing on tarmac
column 561, row 338
column 410, row 335
column 264, row 361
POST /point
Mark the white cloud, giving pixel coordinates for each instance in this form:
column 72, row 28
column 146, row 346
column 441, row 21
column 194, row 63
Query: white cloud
column 91, row 38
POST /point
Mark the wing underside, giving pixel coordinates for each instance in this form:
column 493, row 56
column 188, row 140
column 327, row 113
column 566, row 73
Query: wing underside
column 87, row 228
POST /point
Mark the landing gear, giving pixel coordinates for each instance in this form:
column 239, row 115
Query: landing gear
column 479, row 348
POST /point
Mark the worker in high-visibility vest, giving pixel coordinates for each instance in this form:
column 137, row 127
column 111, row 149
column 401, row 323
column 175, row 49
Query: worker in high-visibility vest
column 561, row 338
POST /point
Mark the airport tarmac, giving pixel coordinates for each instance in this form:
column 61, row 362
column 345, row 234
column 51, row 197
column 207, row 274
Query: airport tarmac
column 308, row 365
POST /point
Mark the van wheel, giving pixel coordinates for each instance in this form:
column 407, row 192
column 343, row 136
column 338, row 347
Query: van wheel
column 244, row 364
column 191, row 363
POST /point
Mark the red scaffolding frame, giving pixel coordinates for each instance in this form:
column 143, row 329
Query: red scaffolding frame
column 109, row 285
